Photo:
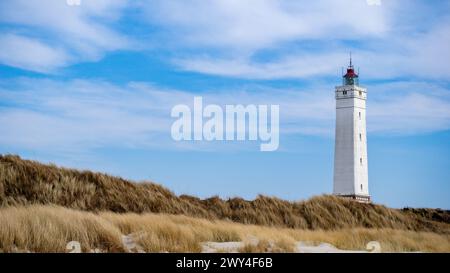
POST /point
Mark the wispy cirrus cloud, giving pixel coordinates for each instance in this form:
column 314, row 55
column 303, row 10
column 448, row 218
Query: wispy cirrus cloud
column 83, row 115
column 287, row 67
column 44, row 36
column 299, row 40
column 30, row 54
column 421, row 56
column 298, row 37
column 256, row 24
column 240, row 39
column 408, row 108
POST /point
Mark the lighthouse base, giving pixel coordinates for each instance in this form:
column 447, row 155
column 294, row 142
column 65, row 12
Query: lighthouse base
column 358, row 198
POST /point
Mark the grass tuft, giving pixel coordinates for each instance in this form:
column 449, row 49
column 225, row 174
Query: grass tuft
column 39, row 228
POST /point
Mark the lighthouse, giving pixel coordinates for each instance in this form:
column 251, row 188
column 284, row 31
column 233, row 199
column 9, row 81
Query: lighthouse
column 350, row 154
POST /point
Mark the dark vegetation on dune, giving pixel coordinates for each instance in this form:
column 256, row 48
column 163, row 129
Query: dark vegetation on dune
column 25, row 182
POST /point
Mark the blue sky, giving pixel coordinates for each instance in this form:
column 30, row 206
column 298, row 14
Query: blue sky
column 92, row 86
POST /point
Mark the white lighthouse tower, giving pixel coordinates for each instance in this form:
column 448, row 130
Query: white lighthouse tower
column 350, row 156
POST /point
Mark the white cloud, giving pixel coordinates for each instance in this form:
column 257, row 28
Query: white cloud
column 422, row 56
column 80, row 115
column 65, row 34
column 406, row 108
column 255, row 24
column 30, row 54
column 412, row 114
column 292, row 66
column 227, row 37
column 394, row 39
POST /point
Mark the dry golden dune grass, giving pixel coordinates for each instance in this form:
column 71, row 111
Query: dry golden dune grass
column 42, row 207
column 25, row 182
column 39, row 228
column 49, row 229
